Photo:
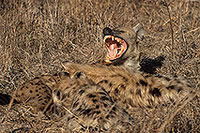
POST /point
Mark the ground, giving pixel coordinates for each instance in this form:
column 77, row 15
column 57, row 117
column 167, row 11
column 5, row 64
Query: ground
column 37, row 36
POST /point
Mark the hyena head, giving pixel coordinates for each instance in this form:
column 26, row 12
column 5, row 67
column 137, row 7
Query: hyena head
column 122, row 46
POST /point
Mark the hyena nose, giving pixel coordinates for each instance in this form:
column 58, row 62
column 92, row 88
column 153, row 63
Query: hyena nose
column 107, row 31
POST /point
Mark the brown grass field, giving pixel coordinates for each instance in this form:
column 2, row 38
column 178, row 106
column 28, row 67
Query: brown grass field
column 37, row 36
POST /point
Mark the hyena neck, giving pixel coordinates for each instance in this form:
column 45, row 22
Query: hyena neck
column 132, row 65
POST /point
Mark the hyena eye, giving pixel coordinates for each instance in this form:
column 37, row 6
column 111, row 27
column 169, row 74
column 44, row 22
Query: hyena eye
column 65, row 74
column 79, row 75
column 58, row 94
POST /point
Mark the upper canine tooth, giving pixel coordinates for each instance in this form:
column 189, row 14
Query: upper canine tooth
column 104, row 39
column 113, row 38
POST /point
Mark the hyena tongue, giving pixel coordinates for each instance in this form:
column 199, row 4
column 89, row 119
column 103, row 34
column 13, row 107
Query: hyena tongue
column 112, row 51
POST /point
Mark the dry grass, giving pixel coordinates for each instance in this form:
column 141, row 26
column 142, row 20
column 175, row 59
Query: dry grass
column 37, row 36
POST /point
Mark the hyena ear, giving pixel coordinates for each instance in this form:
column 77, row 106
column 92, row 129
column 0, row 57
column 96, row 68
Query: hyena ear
column 139, row 31
column 78, row 75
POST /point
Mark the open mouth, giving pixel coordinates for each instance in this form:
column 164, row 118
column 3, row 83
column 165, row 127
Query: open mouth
column 116, row 47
